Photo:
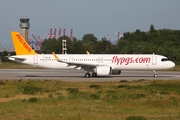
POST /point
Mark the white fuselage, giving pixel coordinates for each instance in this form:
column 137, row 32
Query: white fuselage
column 115, row 61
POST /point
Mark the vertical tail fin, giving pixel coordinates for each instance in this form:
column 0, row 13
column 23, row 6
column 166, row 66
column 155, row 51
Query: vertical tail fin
column 20, row 45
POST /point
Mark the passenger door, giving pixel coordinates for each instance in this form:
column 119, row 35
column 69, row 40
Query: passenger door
column 154, row 60
column 35, row 60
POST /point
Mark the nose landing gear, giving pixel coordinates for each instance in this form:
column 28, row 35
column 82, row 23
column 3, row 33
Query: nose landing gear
column 155, row 74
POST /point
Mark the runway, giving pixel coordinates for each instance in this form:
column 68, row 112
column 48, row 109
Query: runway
column 78, row 75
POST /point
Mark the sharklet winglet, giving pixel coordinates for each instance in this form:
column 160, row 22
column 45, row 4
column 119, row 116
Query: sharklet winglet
column 56, row 57
column 87, row 52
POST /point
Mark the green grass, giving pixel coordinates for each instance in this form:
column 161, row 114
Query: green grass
column 55, row 99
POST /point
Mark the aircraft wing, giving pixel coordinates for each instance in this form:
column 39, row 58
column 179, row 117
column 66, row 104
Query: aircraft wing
column 85, row 66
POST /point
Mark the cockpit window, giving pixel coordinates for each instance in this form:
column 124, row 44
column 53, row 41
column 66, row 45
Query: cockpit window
column 164, row 59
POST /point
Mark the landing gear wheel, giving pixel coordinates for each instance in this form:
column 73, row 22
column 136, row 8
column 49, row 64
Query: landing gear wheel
column 87, row 75
column 155, row 75
column 94, row 74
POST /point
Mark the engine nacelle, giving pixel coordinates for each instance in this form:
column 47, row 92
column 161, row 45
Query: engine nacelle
column 116, row 72
column 103, row 70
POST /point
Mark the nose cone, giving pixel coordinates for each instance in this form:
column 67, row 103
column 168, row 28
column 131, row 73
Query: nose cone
column 172, row 64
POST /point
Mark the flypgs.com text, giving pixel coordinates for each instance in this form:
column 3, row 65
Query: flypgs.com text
column 128, row 60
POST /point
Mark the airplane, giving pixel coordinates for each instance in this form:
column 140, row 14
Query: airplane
column 98, row 64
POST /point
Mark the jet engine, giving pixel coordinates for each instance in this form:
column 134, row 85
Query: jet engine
column 103, row 70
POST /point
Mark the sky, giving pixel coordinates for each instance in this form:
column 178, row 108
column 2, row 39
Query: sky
column 98, row 17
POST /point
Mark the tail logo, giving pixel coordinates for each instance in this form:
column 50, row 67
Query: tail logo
column 23, row 42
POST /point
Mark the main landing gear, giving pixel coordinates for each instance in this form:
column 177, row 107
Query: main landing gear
column 94, row 74
column 155, row 74
column 87, row 75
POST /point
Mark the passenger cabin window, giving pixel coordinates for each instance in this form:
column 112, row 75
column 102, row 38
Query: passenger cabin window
column 164, row 59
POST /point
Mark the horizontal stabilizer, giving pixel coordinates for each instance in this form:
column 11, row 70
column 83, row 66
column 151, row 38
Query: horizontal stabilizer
column 17, row 58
